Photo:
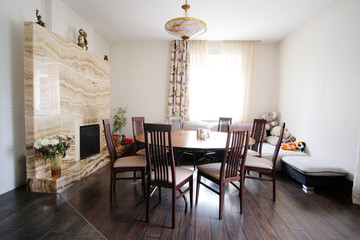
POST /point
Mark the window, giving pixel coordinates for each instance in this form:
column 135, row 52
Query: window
column 216, row 89
column 220, row 79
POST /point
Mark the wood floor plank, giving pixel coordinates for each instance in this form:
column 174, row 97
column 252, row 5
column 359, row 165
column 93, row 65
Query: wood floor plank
column 314, row 213
column 305, row 218
column 233, row 219
column 39, row 216
column 280, row 227
column 84, row 211
column 261, row 221
column 251, row 231
column 159, row 214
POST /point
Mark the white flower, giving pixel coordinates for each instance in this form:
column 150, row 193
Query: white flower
column 45, row 142
column 37, row 143
column 50, row 146
column 54, row 142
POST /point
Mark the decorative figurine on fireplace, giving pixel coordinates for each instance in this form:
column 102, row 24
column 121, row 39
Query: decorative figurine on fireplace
column 39, row 21
column 82, row 39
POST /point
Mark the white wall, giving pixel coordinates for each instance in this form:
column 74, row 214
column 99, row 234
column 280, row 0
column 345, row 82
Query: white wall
column 66, row 23
column 139, row 80
column 320, row 85
column 140, row 74
column 266, row 80
column 12, row 126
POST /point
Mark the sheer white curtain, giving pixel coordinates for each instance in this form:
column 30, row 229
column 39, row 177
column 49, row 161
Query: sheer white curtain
column 220, row 85
column 198, row 59
column 240, row 58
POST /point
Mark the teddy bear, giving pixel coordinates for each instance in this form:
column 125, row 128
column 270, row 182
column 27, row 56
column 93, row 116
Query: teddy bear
column 271, row 121
column 287, row 138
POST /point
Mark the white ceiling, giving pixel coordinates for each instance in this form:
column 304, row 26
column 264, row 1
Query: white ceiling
column 143, row 20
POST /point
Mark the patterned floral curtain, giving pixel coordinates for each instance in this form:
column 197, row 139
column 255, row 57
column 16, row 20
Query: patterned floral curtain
column 178, row 88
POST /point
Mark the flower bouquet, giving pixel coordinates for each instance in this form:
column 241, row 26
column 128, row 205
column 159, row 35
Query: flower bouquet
column 54, row 148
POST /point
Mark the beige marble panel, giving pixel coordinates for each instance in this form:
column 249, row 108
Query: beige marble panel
column 65, row 87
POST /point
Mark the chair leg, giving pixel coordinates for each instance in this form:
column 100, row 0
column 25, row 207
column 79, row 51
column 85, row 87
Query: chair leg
column 148, row 202
column 241, row 194
column 274, row 188
column 111, row 185
column 134, row 176
column 184, row 197
column 159, row 194
column 221, row 200
column 114, row 184
column 191, row 182
column 173, row 208
column 143, row 181
column 197, row 187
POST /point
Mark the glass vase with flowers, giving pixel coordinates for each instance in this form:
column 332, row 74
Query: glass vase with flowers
column 54, row 148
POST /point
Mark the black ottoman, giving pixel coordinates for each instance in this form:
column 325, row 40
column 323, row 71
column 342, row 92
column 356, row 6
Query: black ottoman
column 312, row 172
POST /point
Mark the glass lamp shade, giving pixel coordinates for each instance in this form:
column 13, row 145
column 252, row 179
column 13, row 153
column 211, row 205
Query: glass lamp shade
column 185, row 27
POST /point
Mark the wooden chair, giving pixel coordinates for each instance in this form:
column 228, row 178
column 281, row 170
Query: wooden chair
column 138, row 128
column 176, row 123
column 228, row 170
column 265, row 166
column 257, row 133
column 122, row 164
column 224, row 122
column 161, row 167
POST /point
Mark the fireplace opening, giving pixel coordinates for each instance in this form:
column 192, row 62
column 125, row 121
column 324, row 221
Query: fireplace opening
column 89, row 140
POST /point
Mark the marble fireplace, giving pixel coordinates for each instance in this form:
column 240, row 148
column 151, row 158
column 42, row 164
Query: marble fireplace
column 66, row 87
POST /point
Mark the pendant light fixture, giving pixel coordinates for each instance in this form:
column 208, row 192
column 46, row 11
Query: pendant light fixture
column 185, row 27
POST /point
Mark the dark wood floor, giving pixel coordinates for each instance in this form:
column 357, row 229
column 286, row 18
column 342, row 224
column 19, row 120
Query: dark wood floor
column 83, row 211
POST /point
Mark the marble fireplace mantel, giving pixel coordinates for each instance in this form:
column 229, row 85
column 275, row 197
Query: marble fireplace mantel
column 65, row 87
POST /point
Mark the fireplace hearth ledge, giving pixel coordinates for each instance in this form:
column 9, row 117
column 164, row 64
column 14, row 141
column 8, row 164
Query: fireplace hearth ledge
column 70, row 173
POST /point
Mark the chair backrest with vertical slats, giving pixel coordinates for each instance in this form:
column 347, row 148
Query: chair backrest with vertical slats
column 278, row 145
column 109, row 141
column 224, row 122
column 176, row 123
column 137, row 126
column 257, row 133
column 236, row 148
column 159, row 153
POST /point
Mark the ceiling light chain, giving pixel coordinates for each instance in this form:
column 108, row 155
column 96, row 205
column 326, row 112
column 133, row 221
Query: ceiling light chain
column 186, row 7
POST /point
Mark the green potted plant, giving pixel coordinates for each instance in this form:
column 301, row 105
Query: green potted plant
column 119, row 121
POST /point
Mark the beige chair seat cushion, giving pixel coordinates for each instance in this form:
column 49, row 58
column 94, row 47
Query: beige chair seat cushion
column 258, row 162
column 180, row 172
column 211, row 169
column 141, row 152
column 131, row 161
column 252, row 153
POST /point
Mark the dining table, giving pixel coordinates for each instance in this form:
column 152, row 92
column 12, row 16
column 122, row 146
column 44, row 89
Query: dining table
column 189, row 141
